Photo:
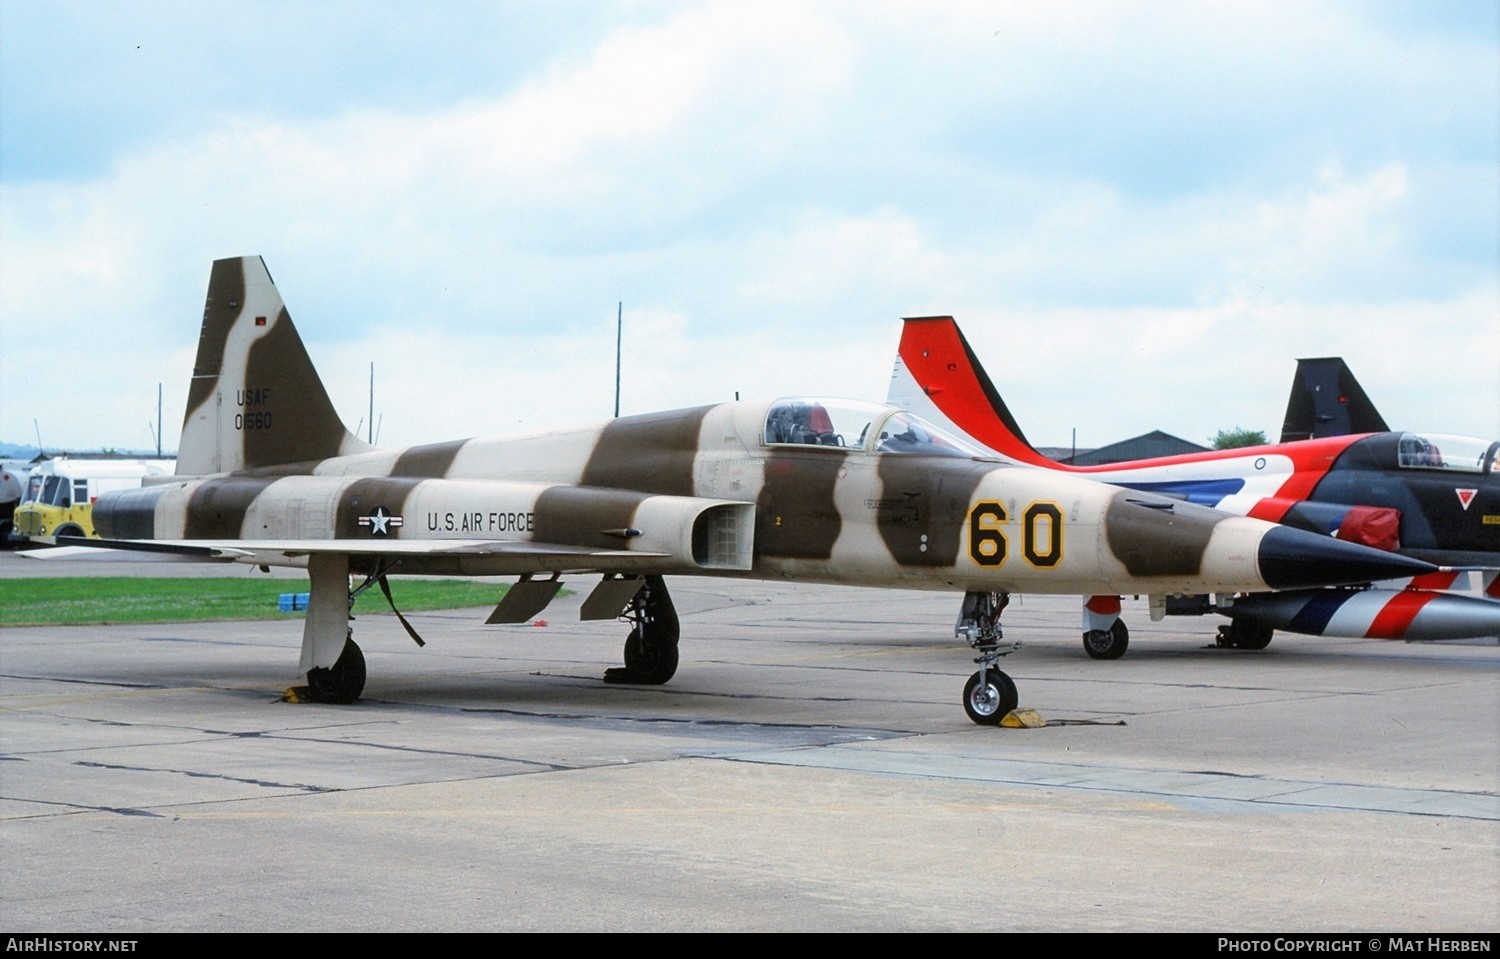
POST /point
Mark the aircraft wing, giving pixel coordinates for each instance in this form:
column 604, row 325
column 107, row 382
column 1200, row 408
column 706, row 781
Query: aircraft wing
column 471, row 557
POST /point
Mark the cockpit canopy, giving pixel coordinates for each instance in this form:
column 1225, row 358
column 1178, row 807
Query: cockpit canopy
column 1459, row 454
column 852, row 425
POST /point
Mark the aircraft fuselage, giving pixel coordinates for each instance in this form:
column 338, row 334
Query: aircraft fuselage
column 703, row 489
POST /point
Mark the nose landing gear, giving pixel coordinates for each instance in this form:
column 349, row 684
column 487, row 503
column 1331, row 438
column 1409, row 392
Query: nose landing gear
column 990, row 694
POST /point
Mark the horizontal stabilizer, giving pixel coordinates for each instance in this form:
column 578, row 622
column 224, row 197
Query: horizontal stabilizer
column 100, row 552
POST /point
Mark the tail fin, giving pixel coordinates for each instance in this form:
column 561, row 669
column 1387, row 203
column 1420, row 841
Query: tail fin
column 255, row 399
column 1327, row 400
column 938, row 376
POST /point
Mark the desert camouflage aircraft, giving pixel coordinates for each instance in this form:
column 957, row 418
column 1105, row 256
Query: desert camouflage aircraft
column 809, row 489
column 1434, row 497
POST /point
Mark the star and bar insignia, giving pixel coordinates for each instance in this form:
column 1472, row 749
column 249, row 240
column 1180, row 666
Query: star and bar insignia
column 380, row 521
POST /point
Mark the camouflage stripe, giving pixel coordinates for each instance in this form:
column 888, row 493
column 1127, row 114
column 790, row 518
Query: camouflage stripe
column 304, row 424
column 923, row 506
column 306, row 468
column 129, row 514
column 578, row 517
column 362, row 497
column 652, row 452
column 433, row 460
column 1158, row 542
column 216, row 509
column 796, row 517
column 226, row 294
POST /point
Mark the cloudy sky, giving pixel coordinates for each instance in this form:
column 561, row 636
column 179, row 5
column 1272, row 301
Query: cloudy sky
column 1141, row 214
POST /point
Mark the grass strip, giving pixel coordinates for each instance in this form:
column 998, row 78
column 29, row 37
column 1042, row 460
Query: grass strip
column 77, row 601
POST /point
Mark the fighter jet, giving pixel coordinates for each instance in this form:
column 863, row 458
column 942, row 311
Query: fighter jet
column 1435, row 497
column 811, row 489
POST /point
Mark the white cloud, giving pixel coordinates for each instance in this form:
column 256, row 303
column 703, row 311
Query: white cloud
column 1115, row 373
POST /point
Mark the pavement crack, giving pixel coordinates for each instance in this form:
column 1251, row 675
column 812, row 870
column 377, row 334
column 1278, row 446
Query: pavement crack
column 194, row 774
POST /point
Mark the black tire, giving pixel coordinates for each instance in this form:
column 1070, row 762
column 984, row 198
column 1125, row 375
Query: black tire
column 1107, row 643
column 651, row 647
column 1258, row 637
column 992, row 703
column 341, row 683
column 1238, row 635
column 650, row 662
column 69, row 530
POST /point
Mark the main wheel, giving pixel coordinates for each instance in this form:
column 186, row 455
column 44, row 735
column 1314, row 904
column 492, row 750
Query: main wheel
column 341, row 683
column 989, row 702
column 1107, row 643
column 1258, row 638
column 1238, row 635
column 649, row 661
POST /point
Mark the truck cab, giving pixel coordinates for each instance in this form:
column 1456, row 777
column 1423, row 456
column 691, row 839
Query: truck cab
column 60, row 493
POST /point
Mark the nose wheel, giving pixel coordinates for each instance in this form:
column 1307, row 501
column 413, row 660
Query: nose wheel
column 988, row 696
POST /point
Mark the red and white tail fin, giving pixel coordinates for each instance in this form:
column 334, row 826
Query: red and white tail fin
column 938, row 377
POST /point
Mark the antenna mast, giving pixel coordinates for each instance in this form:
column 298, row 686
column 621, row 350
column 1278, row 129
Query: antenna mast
column 619, row 335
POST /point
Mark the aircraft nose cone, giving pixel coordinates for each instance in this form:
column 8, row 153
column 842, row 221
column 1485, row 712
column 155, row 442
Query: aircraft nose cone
column 1295, row 559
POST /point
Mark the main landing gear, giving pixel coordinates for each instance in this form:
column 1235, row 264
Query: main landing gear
column 341, row 683
column 1105, row 635
column 1238, row 634
column 1108, row 643
column 326, row 630
column 651, row 647
column 989, row 695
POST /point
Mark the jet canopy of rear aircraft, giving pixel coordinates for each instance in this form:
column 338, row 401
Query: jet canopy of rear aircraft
column 847, row 424
column 1461, row 454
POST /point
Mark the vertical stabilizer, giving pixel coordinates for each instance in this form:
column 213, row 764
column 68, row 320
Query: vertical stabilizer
column 255, row 398
column 938, row 376
column 1327, row 400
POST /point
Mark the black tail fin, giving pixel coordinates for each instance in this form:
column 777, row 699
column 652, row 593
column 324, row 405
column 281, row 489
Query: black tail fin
column 1327, row 400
